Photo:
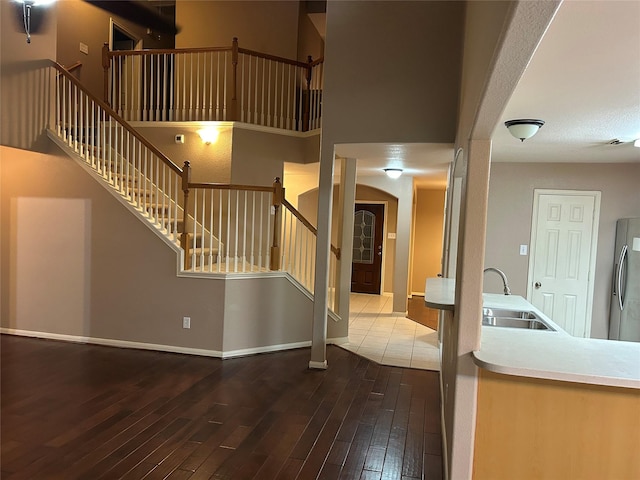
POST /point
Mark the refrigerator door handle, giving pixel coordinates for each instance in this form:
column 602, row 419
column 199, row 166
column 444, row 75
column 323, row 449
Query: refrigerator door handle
column 621, row 267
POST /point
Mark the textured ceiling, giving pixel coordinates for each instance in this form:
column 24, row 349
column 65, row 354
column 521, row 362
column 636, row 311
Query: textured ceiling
column 584, row 82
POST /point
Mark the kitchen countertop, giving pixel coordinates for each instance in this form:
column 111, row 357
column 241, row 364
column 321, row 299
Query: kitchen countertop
column 544, row 354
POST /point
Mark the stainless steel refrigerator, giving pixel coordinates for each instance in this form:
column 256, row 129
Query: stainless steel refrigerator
column 624, row 320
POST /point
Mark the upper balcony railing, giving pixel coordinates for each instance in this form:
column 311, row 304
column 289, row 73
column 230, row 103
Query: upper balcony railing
column 214, row 84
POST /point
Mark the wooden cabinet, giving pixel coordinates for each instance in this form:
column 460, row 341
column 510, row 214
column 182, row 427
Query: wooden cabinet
column 529, row 428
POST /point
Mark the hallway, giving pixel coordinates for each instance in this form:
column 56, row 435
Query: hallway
column 379, row 335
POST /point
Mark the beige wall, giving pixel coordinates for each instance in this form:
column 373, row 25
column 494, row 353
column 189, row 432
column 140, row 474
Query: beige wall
column 209, row 163
column 542, row 429
column 79, row 21
column 426, row 256
column 510, row 210
column 266, row 26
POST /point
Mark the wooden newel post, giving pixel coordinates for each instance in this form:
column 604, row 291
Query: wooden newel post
column 184, row 235
column 278, row 196
column 234, row 83
column 307, row 100
column 105, row 78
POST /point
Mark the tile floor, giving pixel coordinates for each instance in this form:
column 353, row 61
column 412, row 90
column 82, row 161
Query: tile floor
column 379, row 335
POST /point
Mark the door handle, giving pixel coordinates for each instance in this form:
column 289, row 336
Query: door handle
column 623, row 255
column 537, row 285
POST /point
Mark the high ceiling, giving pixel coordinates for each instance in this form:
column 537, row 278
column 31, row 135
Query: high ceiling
column 583, row 81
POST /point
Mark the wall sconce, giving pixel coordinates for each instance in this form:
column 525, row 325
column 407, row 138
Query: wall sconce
column 27, row 5
column 393, row 172
column 523, row 129
column 637, row 143
column 209, row 135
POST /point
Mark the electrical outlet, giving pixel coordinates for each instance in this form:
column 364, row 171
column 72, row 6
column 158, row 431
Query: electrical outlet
column 186, row 322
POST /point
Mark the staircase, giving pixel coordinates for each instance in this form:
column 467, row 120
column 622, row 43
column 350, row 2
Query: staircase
column 214, row 228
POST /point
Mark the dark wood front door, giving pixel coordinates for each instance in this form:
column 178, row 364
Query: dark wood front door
column 367, row 248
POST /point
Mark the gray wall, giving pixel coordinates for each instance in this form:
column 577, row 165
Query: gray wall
column 129, row 286
column 397, row 79
column 258, row 157
column 510, row 210
column 76, row 262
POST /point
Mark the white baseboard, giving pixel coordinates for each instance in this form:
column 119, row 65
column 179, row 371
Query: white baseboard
column 166, row 348
column 114, row 343
column 244, row 352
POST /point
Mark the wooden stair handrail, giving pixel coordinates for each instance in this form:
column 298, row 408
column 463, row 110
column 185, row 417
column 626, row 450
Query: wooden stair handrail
column 275, row 58
column 74, row 66
column 167, row 51
column 308, row 224
column 230, row 186
column 117, row 117
column 246, row 51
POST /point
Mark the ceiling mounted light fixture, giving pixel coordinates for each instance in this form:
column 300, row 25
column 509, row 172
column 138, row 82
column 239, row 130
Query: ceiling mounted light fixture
column 27, row 5
column 524, row 128
column 393, row 172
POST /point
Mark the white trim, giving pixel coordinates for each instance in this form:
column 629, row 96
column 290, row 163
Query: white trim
column 225, row 124
column 243, row 352
column 108, row 342
column 318, row 365
column 113, row 343
column 596, row 194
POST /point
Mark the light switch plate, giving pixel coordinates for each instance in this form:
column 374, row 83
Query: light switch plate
column 391, row 235
column 523, row 249
column 84, row 48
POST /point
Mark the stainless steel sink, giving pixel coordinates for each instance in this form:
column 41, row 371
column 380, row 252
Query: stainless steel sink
column 499, row 317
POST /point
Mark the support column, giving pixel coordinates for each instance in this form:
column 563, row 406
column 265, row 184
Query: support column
column 403, row 245
column 346, row 205
column 466, row 323
column 323, row 250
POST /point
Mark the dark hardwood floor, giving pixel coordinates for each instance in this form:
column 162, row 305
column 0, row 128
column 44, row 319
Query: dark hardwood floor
column 72, row 411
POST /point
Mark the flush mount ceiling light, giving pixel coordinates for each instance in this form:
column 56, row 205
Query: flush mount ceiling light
column 523, row 128
column 393, row 172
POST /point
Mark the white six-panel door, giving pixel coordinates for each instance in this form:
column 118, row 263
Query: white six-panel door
column 563, row 245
